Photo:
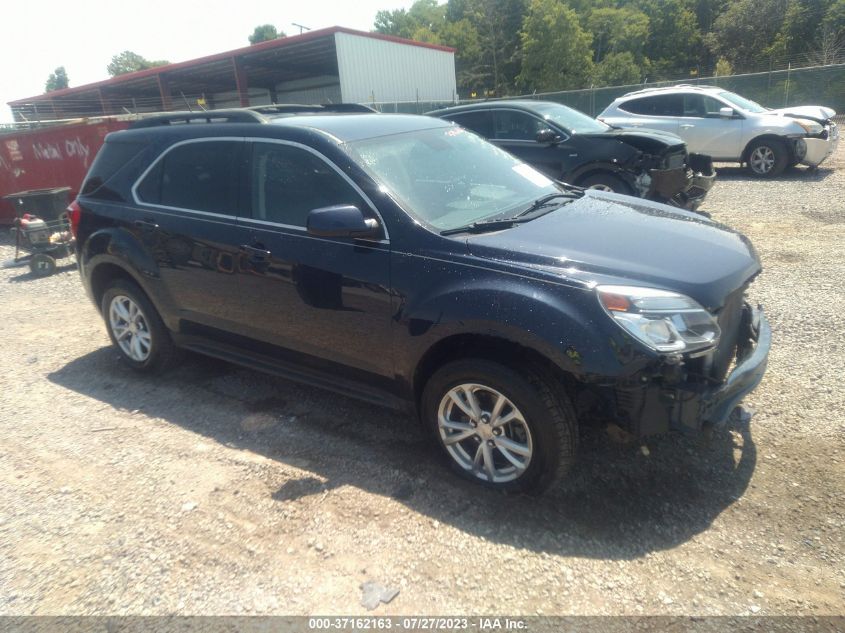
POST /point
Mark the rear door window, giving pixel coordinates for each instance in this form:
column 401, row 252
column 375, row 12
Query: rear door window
column 197, row 176
column 480, row 122
column 656, row 105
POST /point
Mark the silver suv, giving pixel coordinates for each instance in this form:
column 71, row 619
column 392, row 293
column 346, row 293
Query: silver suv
column 731, row 128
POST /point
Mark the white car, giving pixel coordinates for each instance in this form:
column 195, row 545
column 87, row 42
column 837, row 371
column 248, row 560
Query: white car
column 731, row 128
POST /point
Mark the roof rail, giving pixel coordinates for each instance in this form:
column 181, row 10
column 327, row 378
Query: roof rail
column 297, row 108
column 208, row 116
column 670, row 87
column 254, row 114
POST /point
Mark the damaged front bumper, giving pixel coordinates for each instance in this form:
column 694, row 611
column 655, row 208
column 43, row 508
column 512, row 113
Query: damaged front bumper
column 686, row 186
column 676, row 400
column 818, row 148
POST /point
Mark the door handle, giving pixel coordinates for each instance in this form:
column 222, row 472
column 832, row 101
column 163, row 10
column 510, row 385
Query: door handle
column 686, row 126
column 256, row 252
column 147, row 225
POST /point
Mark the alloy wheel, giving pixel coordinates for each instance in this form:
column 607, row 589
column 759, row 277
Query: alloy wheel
column 485, row 433
column 762, row 159
column 130, row 329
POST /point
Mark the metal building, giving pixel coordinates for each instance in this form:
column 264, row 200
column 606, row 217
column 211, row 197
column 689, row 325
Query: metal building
column 326, row 66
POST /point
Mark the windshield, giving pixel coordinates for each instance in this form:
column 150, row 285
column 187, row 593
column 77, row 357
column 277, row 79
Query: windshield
column 741, row 102
column 569, row 119
column 448, row 177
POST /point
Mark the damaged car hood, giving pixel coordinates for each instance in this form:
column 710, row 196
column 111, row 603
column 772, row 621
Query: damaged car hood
column 605, row 236
column 819, row 114
column 641, row 138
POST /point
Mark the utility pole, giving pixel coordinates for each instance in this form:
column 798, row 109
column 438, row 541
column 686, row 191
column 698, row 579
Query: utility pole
column 300, row 27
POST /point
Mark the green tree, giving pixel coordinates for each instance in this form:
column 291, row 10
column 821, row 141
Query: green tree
column 498, row 24
column 556, row 50
column 617, row 69
column 57, row 80
column 802, row 27
column 425, row 17
column 835, row 18
column 129, row 62
column 723, row 68
column 265, row 32
column 469, row 66
column 618, row 30
column 674, row 41
column 745, row 34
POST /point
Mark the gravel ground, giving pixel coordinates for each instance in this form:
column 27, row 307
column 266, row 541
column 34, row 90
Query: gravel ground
column 217, row 490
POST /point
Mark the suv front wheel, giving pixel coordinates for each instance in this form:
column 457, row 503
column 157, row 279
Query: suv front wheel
column 506, row 429
column 135, row 327
column 605, row 181
column 767, row 157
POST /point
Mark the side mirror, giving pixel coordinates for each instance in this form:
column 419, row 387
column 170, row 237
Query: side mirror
column 547, row 136
column 726, row 113
column 343, row 220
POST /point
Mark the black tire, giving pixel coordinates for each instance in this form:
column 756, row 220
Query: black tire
column 766, row 158
column 42, row 265
column 161, row 353
column 547, row 414
column 605, row 181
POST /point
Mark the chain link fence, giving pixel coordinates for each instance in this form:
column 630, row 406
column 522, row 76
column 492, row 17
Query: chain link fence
column 817, row 85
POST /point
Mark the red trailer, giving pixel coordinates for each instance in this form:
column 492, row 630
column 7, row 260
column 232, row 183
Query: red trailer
column 55, row 155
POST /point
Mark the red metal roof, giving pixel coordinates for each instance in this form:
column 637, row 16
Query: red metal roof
column 254, row 48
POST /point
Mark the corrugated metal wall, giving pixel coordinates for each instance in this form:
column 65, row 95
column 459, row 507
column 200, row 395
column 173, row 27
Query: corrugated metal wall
column 232, row 99
column 322, row 89
column 378, row 70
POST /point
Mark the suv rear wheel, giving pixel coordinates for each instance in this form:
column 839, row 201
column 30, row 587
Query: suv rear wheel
column 506, row 429
column 135, row 328
column 767, row 157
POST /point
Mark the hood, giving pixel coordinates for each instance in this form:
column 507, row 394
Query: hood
column 609, row 238
column 819, row 114
column 641, row 138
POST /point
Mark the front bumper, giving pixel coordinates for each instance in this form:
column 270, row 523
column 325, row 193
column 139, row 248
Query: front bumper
column 819, row 149
column 687, row 186
column 683, row 403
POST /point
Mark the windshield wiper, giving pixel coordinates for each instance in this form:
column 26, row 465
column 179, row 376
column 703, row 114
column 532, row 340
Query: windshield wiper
column 485, row 225
column 545, row 201
column 494, row 224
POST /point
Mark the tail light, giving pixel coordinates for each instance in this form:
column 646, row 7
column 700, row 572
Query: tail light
column 74, row 212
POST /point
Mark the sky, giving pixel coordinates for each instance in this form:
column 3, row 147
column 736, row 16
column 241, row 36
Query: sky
column 83, row 35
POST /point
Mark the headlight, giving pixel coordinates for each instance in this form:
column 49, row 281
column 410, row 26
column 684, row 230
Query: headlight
column 664, row 321
column 810, row 127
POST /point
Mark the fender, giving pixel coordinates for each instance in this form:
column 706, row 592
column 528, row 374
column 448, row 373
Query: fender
column 618, row 169
column 569, row 329
column 768, row 135
column 118, row 247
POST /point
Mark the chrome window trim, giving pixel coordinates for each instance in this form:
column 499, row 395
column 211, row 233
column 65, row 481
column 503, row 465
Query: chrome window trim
column 160, row 157
column 243, row 219
column 325, row 159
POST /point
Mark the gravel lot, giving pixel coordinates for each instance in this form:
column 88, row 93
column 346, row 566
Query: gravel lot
column 217, row 490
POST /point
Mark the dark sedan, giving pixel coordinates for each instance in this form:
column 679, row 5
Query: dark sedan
column 568, row 145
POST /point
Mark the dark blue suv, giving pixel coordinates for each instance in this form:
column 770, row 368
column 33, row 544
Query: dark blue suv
column 408, row 262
